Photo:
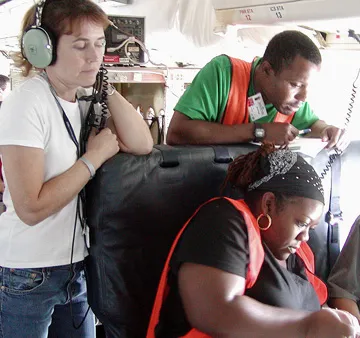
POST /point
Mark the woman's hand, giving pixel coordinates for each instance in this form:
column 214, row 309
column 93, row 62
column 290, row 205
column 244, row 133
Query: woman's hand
column 101, row 147
column 331, row 323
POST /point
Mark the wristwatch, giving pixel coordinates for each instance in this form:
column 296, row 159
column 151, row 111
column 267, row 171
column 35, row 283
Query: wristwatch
column 259, row 132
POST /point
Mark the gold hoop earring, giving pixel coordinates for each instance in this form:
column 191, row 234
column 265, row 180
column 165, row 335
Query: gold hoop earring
column 269, row 220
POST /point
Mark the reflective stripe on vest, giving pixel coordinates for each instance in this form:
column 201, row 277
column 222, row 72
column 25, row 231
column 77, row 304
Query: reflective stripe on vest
column 236, row 111
column 307, row 256
column 256, row 259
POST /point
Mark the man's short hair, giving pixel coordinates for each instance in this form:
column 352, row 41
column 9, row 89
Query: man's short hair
column 4, row 80
column 284, row 47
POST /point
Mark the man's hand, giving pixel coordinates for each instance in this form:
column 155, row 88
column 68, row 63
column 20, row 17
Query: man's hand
column 335, row 138
column 279, row 133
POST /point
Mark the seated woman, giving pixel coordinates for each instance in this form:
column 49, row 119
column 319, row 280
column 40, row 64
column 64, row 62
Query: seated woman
column 344, row 278
column 242, row 268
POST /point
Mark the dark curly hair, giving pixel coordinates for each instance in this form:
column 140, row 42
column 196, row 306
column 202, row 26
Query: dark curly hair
column 246, row 169
column 285, row 46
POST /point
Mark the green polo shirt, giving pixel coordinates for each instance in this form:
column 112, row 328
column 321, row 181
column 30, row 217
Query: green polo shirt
column 207, row 96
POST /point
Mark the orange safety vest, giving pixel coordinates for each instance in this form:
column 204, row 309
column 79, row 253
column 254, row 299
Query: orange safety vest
column 256, row 259
column 236, row 111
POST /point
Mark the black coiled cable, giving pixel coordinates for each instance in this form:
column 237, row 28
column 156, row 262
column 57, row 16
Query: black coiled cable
column 338, row 152
column 103, row 101
column 332, row 158
column 99, row 95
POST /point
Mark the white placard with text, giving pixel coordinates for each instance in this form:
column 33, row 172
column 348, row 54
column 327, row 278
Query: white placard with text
column 248, row 14
column 277, row 12
column 256, row 107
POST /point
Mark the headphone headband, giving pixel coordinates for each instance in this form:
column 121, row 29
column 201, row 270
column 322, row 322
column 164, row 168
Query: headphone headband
column 38, row 13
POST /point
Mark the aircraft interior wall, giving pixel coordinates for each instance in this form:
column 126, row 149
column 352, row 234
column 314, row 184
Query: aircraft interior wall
column 330, row 95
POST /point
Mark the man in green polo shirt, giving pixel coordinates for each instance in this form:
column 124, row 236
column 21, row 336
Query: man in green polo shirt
column 281, row 76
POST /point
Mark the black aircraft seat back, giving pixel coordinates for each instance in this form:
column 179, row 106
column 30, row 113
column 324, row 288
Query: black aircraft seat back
column 136, row 206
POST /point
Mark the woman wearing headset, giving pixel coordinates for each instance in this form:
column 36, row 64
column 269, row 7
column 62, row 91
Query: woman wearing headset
column 43, row 291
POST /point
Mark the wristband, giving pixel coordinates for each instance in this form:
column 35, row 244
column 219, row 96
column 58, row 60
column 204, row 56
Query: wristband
column 89, row 165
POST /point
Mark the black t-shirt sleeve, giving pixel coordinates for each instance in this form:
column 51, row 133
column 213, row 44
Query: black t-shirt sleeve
column 216, row 237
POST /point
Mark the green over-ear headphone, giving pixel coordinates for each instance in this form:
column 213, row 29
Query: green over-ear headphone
column 38, row 43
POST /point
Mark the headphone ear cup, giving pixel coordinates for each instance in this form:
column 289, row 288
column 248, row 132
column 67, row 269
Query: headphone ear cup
column 38, row 47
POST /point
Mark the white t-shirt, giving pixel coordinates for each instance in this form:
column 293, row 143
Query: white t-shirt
column 30, row 117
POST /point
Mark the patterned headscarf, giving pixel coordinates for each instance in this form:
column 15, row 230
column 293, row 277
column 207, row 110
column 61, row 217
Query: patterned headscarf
column 287, row 172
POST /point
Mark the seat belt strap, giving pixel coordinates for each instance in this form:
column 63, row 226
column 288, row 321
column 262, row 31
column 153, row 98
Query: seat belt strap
column 334, row 214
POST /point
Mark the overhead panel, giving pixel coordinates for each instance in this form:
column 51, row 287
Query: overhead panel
column 231, row 4
column 269, row 12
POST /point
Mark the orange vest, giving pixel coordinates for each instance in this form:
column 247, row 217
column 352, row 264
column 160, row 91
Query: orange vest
column 236, row 111
column 256, row 255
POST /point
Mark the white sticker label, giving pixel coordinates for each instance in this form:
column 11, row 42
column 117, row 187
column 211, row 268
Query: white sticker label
column 138, row 77
column 256, row 107
column 277, row 12
column 122, row 78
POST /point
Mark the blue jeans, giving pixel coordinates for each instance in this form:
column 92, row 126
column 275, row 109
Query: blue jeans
column 35, row 303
